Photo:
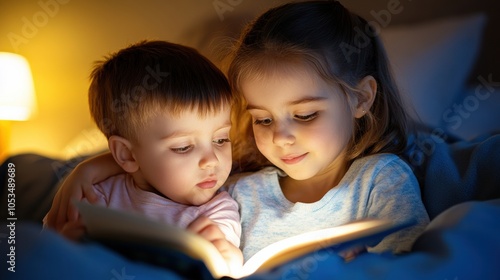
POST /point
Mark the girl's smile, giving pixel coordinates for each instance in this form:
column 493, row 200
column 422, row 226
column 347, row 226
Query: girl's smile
column 293, row 159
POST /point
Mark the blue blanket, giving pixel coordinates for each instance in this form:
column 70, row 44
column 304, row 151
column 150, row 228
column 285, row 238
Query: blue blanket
column 452, row 171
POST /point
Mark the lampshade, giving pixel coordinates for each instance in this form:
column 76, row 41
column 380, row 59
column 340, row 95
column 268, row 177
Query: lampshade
column 17, row 93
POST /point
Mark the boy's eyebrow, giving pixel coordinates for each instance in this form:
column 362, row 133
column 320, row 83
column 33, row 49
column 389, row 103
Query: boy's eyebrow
column 182, row 133
column 225, row 125
column 177, row 134
column 306, row 99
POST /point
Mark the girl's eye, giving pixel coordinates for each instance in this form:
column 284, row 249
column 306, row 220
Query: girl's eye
column 307, row 118
column 265, row 122
column 220, row 142
column 182, row 150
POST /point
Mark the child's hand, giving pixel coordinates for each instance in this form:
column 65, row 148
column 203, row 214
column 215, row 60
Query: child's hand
column 350, row 254
column 75, row 187
column 78, row 185
column 210, row 231
column 73, row 230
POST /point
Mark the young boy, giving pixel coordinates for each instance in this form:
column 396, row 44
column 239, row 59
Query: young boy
column 165, row 110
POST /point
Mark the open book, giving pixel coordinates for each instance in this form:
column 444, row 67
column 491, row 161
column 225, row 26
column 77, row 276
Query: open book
column 191, row 255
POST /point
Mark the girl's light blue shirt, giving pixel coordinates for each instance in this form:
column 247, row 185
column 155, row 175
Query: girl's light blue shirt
column 378, row 186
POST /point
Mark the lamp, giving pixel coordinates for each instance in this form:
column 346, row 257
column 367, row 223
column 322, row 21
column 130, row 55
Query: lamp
column 17, row 95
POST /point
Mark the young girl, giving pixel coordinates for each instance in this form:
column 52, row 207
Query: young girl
column 322, row 107
column 318, row 105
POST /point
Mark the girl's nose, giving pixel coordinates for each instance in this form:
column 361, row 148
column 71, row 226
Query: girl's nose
column 283, row 134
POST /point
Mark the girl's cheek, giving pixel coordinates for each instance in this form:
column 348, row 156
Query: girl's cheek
column 261, row 141
column 260, row 135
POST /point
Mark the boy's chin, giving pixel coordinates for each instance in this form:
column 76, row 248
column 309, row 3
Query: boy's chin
column 202, row 199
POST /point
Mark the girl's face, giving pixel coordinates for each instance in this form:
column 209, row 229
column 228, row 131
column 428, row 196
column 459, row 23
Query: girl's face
column 300, row 123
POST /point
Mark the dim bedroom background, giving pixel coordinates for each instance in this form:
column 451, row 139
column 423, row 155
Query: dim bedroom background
column 444, row 56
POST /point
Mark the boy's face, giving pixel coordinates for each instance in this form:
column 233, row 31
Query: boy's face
column 185, row 158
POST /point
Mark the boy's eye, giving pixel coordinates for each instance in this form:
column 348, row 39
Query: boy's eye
column 182, row 150
column 265, row 122
column 307, row 118
column 220, row 142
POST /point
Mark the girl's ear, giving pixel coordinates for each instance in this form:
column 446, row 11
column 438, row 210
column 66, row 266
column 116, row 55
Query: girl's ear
column 367, row 91
column 121, row 149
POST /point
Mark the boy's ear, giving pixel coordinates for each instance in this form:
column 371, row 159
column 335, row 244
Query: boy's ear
column 121, row 149
column 367, row 92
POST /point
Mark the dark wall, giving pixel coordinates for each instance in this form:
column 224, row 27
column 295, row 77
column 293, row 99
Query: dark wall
column 421, row 10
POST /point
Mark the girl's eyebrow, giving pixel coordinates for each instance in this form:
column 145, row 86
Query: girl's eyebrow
column 306, row 99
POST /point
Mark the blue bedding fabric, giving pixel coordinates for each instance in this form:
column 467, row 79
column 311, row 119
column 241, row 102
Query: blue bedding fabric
column 460, row 187
column 452, row 172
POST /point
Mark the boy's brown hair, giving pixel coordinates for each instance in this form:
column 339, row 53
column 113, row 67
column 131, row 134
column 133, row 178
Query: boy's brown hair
column 150, row 77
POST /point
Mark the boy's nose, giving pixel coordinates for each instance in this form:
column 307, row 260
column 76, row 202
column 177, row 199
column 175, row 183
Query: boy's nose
column 209, row 159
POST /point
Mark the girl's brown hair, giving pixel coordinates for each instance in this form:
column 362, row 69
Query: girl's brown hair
column 341, row 48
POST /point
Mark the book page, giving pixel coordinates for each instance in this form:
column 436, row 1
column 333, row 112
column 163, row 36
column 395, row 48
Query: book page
column 287, row 249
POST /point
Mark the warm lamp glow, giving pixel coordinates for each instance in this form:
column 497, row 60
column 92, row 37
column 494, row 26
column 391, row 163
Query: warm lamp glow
column 17, row 93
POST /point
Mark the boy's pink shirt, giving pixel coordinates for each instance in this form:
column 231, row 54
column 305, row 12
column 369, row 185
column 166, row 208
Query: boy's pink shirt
column 120, row 192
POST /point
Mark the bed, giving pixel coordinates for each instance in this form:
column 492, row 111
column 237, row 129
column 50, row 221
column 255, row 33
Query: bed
column 443, row 63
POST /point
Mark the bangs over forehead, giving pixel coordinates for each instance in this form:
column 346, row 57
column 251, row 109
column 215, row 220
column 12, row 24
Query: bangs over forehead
column 277, row 60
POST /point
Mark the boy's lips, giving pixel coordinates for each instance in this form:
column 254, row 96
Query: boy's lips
column 293, row 159
column 207, row 183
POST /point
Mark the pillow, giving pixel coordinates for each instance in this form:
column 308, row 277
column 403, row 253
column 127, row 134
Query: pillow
column 431, row 62
column 475, row 114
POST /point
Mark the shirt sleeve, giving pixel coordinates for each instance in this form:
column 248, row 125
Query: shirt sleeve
column 101, row 194
column 395, row 195
column 223, row 210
